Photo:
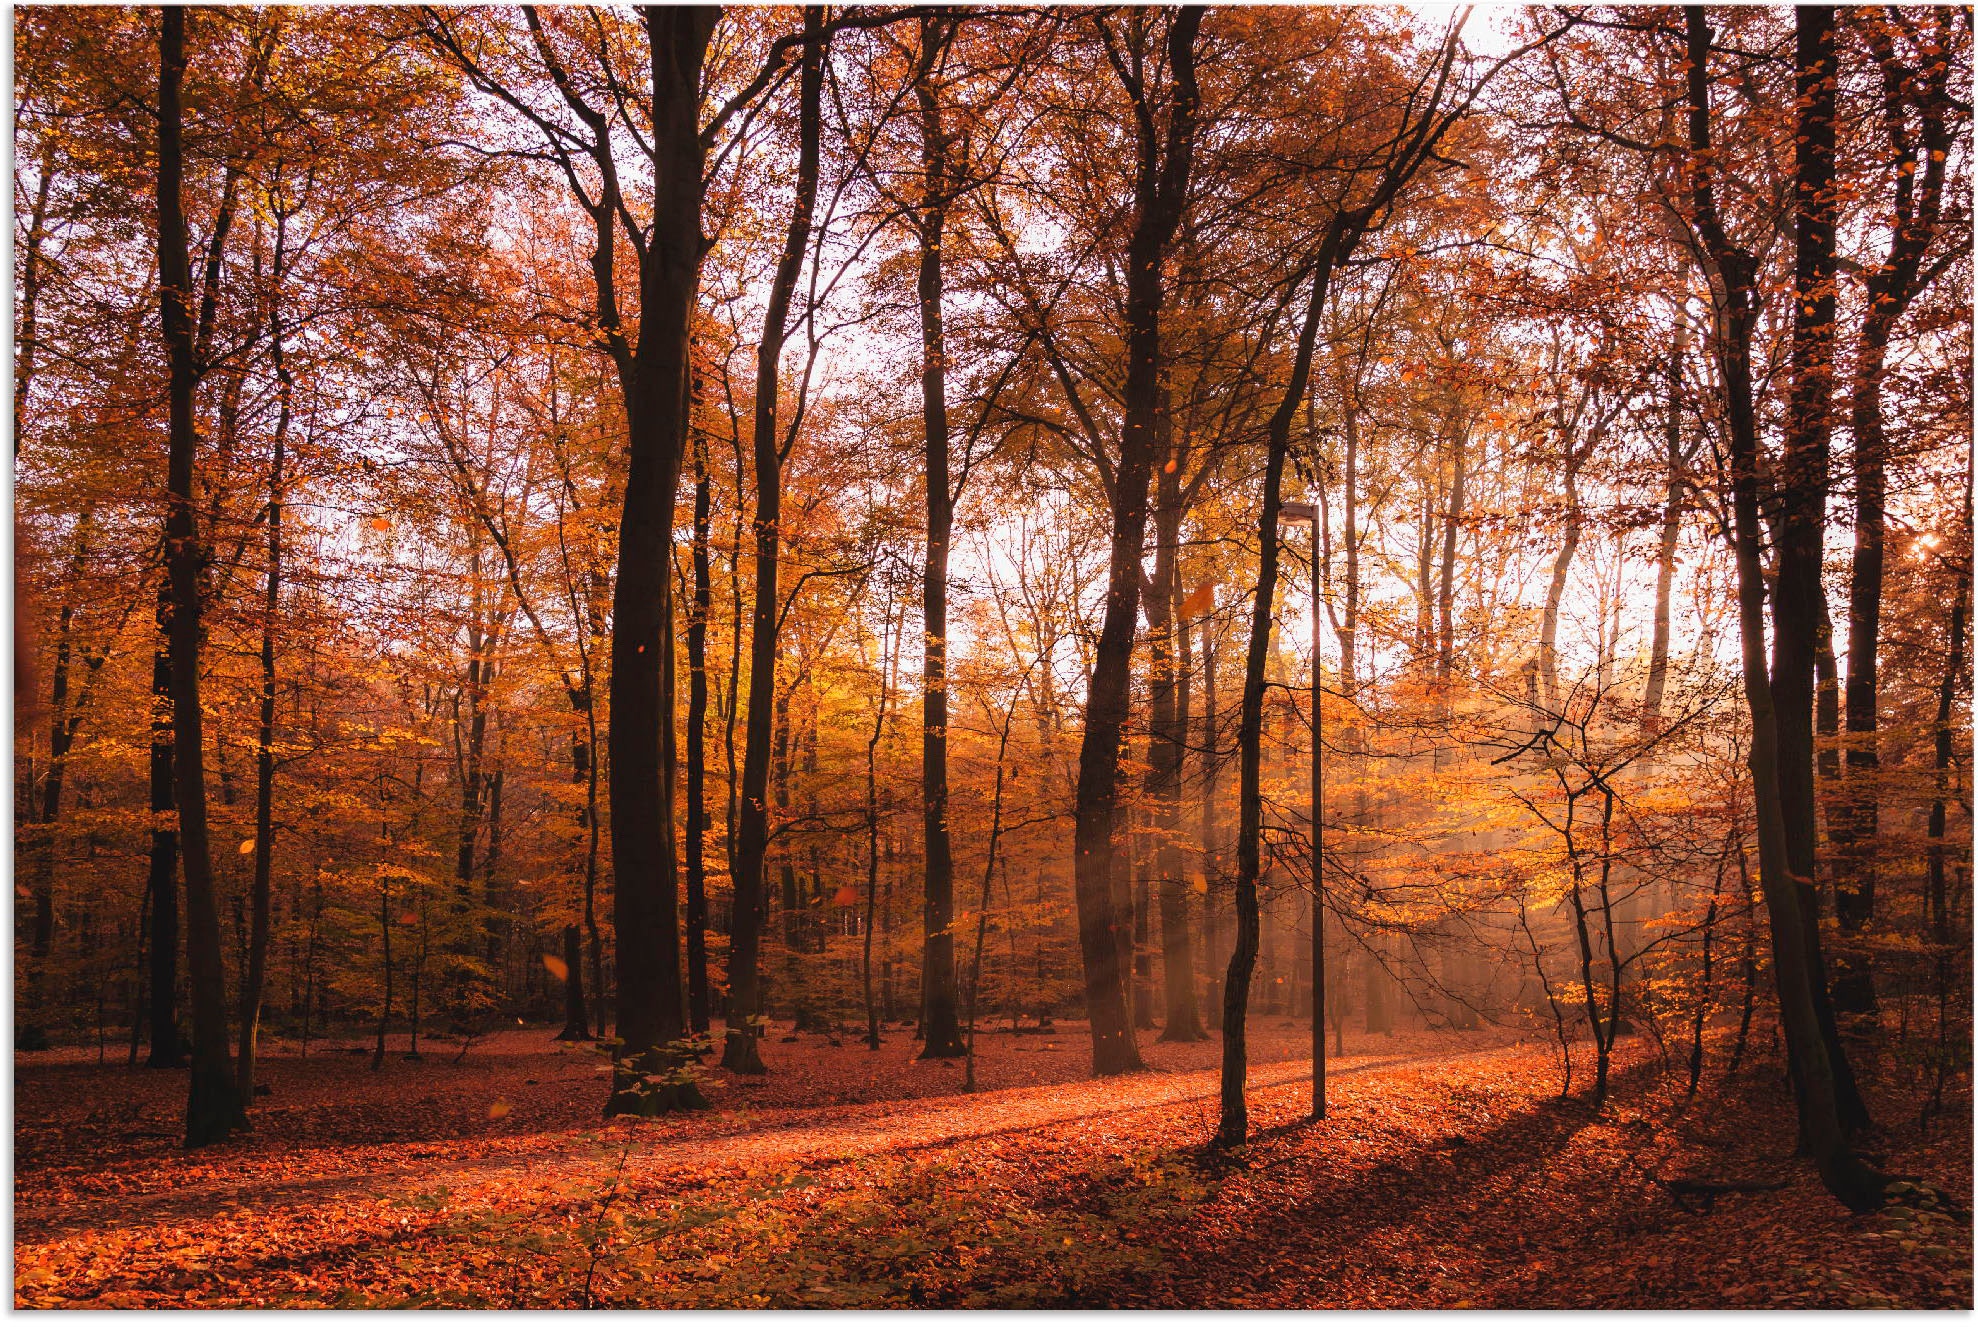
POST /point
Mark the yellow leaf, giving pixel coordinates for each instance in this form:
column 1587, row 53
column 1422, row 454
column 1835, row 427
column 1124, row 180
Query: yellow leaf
column 1200, row 600
column 499, row 1109
column 246, row 847
column 557, row 967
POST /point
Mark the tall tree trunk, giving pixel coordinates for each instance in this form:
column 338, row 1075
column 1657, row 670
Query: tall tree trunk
column 1234, row 1126
column 1733, row 277
column 1349, row 624
column 698, row 1005
column 583, row 771
column 64, row 722
column 650, row 1012
column 494, row 897
column 593, row 935
column 1676, row 460
column 1798, row 603
column 1185, row 950
column 1342, row 234
column 731, row 822
column 887, row 651
column 740, row 1053
column 1353, row 739
column 1167, row 746
column 1452, row 524
column 163, row 883
column 27, row 339
column 470, row 738
column 211, row 1107
column 254, row 980
column 1208, row 828
column 792, row 897
column 1562, row 566
column 1139, row 898
column 1160, row 188
column 1936, row 891
column 1425, row 536
column 937, row 972
column 384, row 939
column 1918, row 158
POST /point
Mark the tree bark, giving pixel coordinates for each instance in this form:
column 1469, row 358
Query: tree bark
column 1733, row 276
column 1562, row 565
column 1208, row 829
column 1676, row 459
column 1445, row 658
column 939, row 996
column 699, row 1009
column 27, row 340
column 1234, row 1126
column 65, row 719
column 470, row 739
column 1161, row 183
column 211, row 1108
column 1167, row 747
column 163, row 883
column 650, row 1012
column 1944, row 739
column 1349, row 624
column 887, row 650
column 1800, row 490
column 1919, row 166
column 739, row 1052
column 254, row 980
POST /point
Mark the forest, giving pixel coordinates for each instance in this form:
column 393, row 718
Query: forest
column 958, row 656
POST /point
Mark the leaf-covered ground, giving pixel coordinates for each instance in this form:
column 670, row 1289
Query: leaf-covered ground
column 1449, row 1173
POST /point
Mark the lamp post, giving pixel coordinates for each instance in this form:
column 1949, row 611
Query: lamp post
column 1308, row 513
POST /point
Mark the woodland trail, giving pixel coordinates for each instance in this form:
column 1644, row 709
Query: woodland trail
column 1449, row 1172
column 745, row 1139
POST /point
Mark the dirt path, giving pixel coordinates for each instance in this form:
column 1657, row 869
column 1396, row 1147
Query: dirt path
column 728, row 1141
column 1447, row 1174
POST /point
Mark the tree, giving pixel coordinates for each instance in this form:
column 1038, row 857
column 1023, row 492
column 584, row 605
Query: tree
column 772, row 449
column 211, row 1104
column 939, row 999
column 1797, row 969
column 1162, row 160
column 1917, row 118
column 654, row 377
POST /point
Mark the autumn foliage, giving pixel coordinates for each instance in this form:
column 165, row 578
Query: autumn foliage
column 1399, row 572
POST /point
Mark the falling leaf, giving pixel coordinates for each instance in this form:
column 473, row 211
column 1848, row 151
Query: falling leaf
column 557, row 967
column 1200, row 599
column 499, row 1109
column 845, row 897
column 246, row 847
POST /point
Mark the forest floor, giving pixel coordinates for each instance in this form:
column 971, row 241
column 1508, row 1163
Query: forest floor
column 1448, row 1174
